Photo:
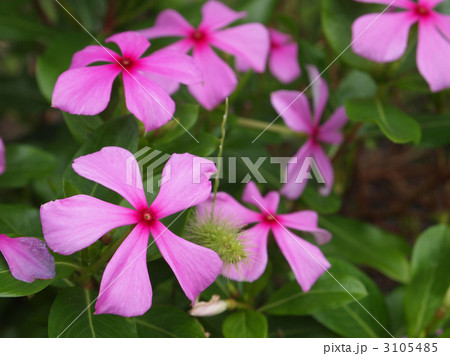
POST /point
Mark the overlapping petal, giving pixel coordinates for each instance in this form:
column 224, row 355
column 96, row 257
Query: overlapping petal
column 93, row 54
column 132, row 44
column 125, row 288
column 283, row 63
column 195, row 267
column 28, row 258
column 267, row 204
column 293, row 107
column 305, row 221
column 116, row 169
column 325, row 168
column 169, row 23
column 74, row 223
column 330, row 131
column 185, row 184
column 216, row 15
column 319, row 92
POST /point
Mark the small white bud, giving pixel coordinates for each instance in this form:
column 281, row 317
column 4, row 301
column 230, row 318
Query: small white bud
column 213, row 307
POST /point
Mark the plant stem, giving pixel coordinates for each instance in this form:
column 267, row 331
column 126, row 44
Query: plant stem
column 261, row 125
column 220, row 154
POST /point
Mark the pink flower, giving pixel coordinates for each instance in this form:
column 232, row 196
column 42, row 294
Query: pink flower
column 86, row 89
column 385, row 39
column 2, row 157
column 27, row 258
column 249, row 42
column 283, row 57
column 294, row 108
column 74, row 223
column 306, row 260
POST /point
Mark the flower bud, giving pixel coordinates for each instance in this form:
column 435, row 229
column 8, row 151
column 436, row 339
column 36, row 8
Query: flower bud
column 214, row 307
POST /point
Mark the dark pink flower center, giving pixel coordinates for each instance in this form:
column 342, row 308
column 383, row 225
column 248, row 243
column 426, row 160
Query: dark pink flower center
column 199, row 36
column 274, row 45
column 314, row 136
column 422, row 10
column 147, row 216
column 269, row 218
column 126, row 63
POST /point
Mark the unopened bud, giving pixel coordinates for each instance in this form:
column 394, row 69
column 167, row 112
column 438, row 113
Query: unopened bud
column 214, row 307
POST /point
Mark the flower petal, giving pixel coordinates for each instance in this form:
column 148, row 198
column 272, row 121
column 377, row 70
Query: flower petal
column 125, row 288
column 283, row 63
column 306, row 220
column 266, row 204
column 319, row 92
column 406, row 4
column 185, row 184
column 217, row 15
column 325, row 168
column 146, row 100
column 255, row 240
column 169, row 23
column 116, row 169
column 74, row 223
column 219, row 80
column 329, row 131
column 92, row 54
column 195, row 267
column 169, row 85
column 382, row 38
column 28, row 258
column 2, row 157
column 306, row 260
column 250, row 42
column 433, row 51
column 132, row 44
column 293, row 188
column 293, row 107
column 173, row 65
column 85, row 91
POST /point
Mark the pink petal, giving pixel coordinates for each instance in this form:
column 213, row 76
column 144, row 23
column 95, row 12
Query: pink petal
column 216, row 15
column 229, row 209
column 319, row 91
column 305, row 221
column 28, row 258
column 2, row 157
column 93, row 54
column 219, row 80
column 279, row 38
column 433, row 51
column 169, row 23
column 329, row 132
column 256, row 242
column 293, row 107
column 173, row 65
column 169, row 85
column 116, row 169
column 267, row 204
column 306, row 260
column 146, row 100
column 125, row 288
column 85, row 91
column 382, row 38
column 74, row 223
column 250, row 42
column 325, row 168
column 241, row 65
column 195, row 267
column 430, row 3
column 185, row 184
column 283, row 63
column 293, row 187
column 132, row 44
column 406, row 4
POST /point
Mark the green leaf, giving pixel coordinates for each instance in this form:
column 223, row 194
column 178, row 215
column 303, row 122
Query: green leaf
column 11, row 287
column 258, row 10
column 245, row 323
column 367, row 245
column 57, row 58
column 72, row 315
column 81, row 127
column 430, row 266
column 206, row 145
column 168, row 321
column 322, row 204
column 356, row 84
column 24, row 164
column 435, row 130
column 394, row 123
column 20, row 220
column 297, row 326
column 352, row 320
column 326, row 294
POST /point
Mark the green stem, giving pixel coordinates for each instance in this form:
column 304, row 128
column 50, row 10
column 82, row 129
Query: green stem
column 110, row 252
column 220, row 154
column 260, row 125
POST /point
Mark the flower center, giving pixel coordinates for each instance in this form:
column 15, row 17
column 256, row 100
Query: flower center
column 269, row 218
column 147, row 216
column 126, row 63
column 199, row 36
column 274, row 45
column 422, row 10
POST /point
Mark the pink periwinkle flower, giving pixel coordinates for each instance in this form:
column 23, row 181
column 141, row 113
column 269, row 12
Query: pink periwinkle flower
column 306, row 260
column 283, row 57
column 2, row 157
column 74, row 223
column 249, row 42
column 295, row 110
column 385, row 39
column 86, row 90
column 28, row 258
